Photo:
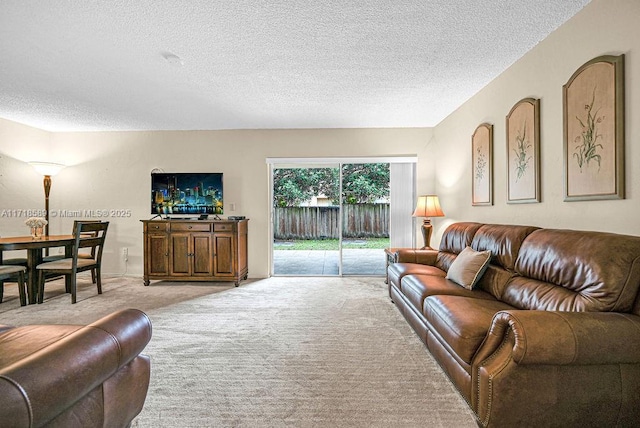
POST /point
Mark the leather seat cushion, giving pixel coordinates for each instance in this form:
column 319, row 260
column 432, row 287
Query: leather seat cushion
column 461, row 322
column 20, row 342
column 418, row 287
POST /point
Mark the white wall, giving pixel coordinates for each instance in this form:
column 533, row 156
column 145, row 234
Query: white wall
column 111, row 170
column 602, row 27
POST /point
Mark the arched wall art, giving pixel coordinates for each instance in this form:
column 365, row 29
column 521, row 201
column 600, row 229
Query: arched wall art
column 593, row 104
column 523, row 152
column 482, row 164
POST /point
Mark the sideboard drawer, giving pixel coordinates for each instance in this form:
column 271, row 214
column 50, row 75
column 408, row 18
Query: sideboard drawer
column 191, row 227
column 223, row 227
column 159, row 226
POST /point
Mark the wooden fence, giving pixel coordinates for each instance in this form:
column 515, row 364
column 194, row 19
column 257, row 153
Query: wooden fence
column 358, row 221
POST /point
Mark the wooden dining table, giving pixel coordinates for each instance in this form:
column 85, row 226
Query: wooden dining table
column 34, row 247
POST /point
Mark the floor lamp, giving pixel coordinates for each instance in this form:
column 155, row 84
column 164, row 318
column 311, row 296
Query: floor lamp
column 47, row 169
column 427, row 206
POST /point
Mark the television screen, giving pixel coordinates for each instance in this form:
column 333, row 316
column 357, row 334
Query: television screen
column 186, row 193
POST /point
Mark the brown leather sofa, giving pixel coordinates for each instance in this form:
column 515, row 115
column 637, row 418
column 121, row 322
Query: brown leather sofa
column 549, row 336
column 75, row 376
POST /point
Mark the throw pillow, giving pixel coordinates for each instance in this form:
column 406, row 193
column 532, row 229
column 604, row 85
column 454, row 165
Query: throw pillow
column 467, row 269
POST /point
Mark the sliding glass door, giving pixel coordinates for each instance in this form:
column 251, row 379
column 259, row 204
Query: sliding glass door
column 365, row 218
column 306, row 220
column 331, row 219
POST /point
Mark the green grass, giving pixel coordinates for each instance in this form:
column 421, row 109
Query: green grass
column 332, row 244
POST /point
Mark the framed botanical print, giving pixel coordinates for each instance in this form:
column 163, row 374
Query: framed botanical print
column 523, row 152
column 593, row 107
column 482, row 164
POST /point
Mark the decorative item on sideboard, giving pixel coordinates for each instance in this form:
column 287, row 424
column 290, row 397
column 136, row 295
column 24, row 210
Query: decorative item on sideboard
column 427, row 206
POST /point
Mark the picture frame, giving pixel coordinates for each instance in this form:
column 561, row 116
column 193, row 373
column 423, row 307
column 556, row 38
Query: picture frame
column 482, row 165
column 523, row 152
column 593, row 122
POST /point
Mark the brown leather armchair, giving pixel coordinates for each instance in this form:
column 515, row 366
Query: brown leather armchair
column 75, row 376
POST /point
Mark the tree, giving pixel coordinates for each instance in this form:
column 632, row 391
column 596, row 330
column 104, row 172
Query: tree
column 365, row 183
column 361, row 183
column 293, row 186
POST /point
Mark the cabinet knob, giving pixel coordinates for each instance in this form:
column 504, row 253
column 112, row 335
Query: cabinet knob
column 190, row 227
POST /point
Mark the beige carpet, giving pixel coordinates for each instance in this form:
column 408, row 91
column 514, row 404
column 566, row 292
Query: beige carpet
column 299, row 352
column 118, row 293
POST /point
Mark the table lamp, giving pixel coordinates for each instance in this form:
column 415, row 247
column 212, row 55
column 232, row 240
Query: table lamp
column 47, row 169
column 427, row 206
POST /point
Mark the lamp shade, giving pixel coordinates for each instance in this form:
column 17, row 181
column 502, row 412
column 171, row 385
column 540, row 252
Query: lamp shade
column 47, row 168
column 428, row 206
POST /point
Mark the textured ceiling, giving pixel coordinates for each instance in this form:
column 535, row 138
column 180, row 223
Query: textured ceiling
column 90, row 65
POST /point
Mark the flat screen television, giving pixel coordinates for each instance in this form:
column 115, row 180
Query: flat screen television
column 186, row 193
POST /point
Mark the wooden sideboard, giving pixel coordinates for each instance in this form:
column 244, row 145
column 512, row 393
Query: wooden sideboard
column 195, row 250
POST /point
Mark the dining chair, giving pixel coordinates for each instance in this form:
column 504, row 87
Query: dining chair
column 11, row 273
column 83, row 255
column 84, row 238
column 16, row 261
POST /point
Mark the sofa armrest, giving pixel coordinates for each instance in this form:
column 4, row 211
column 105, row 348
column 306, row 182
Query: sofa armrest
column 130, row 328
column 548, row 337
column 37, row 388
column 411, row 255
column 561, row 361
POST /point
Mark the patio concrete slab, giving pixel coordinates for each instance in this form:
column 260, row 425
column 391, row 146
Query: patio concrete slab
column 323, row 262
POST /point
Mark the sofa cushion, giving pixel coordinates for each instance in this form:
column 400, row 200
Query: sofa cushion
column 568, row 270
column 494, row 280
column 504, row 242
column 21, row 342
column 456, row 238
column 418, row 287
column 468, row 267
column 461, row 323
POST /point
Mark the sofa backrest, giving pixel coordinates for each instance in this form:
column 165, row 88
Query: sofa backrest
column 568, row 270
column 504, row 242
column 456, row 238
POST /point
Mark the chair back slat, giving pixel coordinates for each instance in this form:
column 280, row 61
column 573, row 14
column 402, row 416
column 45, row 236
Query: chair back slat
column 86, row 242
column 90, row 234
column 90, row 226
